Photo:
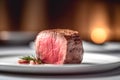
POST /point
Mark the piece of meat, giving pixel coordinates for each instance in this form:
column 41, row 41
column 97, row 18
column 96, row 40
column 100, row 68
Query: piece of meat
column 59, row 46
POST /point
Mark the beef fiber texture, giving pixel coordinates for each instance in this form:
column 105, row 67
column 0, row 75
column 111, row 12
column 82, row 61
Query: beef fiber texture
column 59, row 46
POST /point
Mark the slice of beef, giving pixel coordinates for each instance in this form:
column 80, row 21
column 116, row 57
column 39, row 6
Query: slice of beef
column 59, row 46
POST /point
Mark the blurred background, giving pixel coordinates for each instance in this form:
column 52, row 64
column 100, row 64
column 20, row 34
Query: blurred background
column 98, row 21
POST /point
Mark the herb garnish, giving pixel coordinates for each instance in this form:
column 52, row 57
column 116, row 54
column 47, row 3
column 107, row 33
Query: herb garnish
column 30, row 60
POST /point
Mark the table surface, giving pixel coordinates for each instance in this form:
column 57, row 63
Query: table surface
column 108, row 75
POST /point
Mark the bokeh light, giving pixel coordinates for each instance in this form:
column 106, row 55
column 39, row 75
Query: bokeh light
column 98, row 35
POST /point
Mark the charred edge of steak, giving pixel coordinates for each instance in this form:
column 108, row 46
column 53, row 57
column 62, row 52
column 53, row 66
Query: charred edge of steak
column 74, row 50
column 65, row 32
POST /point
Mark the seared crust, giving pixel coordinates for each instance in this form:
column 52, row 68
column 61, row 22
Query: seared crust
column 65, row 32
column 74, row 50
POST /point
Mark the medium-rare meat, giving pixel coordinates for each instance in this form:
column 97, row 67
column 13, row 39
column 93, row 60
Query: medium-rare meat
column 59, row 46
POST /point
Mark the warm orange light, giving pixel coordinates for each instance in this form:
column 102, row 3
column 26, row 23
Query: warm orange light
column 98, row 35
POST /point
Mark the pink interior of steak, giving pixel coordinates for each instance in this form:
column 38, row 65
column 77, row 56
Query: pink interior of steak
column 51, row 48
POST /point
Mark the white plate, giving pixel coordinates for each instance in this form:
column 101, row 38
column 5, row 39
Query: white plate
column 92, row 62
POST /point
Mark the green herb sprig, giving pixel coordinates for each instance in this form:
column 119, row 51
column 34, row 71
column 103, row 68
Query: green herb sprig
column 31, row 58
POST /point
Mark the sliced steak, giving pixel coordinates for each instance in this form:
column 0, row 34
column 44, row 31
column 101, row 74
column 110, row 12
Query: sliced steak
column 59, row 46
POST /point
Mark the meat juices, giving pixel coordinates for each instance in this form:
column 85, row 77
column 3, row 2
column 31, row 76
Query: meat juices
column 59, row 46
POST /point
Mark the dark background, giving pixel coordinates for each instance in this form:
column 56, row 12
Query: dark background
column 37, row 15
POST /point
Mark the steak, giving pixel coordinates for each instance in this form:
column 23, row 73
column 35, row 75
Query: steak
column 59, row 46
